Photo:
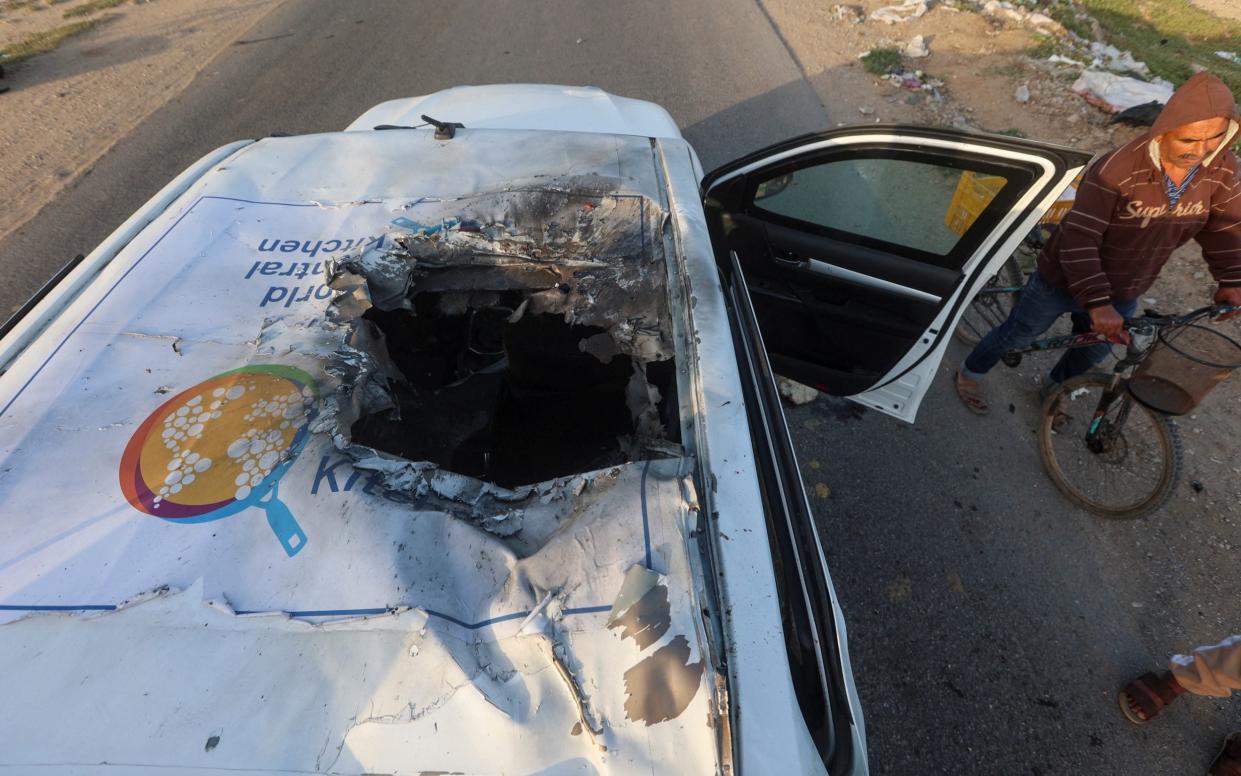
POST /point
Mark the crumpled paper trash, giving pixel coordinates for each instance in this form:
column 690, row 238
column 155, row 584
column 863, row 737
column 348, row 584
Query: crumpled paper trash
column 1115, row 93
column 902, row 12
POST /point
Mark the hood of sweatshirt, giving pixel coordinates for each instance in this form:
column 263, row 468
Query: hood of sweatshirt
column 1201, row 97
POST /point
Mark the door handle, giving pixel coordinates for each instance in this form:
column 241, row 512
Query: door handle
column 792, row 262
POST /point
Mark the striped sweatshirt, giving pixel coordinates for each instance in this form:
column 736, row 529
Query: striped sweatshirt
column 1121, row 229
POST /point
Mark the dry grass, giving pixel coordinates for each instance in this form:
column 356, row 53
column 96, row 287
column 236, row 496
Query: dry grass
column 48, row 40
column 88, row 8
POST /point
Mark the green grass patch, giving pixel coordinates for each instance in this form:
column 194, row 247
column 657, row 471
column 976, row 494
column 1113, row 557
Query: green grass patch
column 1043, row 47
column 1012, row 132
column 1170, row 36
column 43, row 42
column 86, row 9
column 1070, row 17
column 882, row 61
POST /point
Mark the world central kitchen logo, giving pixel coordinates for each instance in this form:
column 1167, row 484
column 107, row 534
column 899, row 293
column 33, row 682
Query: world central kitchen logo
column 221, row 447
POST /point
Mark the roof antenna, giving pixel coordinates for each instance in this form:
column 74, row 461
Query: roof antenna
column 444, row 130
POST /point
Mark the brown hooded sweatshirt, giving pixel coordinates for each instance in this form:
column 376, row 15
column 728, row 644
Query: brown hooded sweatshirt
column 1120, row 231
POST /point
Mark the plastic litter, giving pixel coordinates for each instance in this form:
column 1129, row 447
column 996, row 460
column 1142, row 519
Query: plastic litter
column 902, row 12
column 1001, row 10
column 1143, row 115
column 1022, row 94
column 1112, row 58
column 854, row 14
column 1115, row 93
column 1063, row 60
column 796, row 392
column 1231, row 56
column 916, row 48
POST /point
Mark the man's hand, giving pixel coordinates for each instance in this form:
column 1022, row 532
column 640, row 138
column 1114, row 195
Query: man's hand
column 1229, row 295
column 1106, row 320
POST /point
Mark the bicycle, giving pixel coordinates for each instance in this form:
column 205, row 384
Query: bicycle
column 996, row 299
column 1105, row 449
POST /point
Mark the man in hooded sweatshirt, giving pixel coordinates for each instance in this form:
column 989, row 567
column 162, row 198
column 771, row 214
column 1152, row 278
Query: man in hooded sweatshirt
column 1134, row 207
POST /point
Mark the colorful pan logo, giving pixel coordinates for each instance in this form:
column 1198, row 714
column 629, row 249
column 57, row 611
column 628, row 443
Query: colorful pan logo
column 221, row 447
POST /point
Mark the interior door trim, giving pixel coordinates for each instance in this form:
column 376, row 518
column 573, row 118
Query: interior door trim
column 819, row 267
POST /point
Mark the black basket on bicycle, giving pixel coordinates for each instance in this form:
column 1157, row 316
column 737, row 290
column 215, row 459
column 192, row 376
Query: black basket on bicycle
column 1186, row 363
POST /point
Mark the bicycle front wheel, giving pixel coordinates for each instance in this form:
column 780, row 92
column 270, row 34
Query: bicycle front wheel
column 991, row 306
column 1131, row 468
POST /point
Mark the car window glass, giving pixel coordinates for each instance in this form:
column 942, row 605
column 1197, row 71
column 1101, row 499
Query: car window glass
column 914, row 204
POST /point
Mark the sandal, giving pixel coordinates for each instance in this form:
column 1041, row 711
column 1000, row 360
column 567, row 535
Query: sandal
column 972, row 396
column 1228, row 761
column 1145, row 697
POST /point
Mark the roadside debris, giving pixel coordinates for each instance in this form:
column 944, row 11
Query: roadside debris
column 1231, row 56
column 854, row 14
column 1115, row 93
column 902, row 12
column 1063, row 60
column 918, row 80
column 1143, row 115
column 916, row 48
column 1112, row 58
column 1022, row 95
column 795, row 391
column 1007, row 12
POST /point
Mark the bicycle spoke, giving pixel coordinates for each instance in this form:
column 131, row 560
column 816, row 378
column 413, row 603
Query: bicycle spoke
column 990, row 308
column 1130, row 471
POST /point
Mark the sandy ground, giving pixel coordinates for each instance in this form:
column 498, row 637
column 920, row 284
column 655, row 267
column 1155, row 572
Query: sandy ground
column 67, row 107
column 1227, row 9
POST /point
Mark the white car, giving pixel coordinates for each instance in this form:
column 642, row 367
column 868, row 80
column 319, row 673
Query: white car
column 453, row 445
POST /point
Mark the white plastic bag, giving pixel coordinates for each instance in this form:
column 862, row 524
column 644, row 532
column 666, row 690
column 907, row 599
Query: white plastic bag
column 1114, row 93
column 903, row 12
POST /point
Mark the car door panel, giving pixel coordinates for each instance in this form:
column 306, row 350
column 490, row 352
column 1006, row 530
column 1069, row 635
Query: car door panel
column 860, row 245
column 793, row 244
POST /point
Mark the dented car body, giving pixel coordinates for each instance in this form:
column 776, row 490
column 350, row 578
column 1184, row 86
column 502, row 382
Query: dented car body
column 402, row 450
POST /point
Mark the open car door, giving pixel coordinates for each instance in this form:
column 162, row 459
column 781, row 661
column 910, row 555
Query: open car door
column 860, row 247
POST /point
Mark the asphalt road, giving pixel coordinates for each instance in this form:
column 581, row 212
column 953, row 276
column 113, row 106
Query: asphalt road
column 989, row 622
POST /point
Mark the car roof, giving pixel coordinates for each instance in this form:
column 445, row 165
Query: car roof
column 381, row 633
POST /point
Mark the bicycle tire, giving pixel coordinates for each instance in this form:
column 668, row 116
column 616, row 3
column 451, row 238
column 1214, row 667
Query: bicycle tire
column 986, row 310
column 1144, row 433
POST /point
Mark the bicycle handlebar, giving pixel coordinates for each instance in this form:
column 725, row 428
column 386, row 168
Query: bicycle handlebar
column 1159, row 321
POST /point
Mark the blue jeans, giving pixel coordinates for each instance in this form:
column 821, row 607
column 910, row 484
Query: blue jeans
column 1037, row 309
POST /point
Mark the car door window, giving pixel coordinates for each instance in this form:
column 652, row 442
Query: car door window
column 860, row 245
column 929, row 208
